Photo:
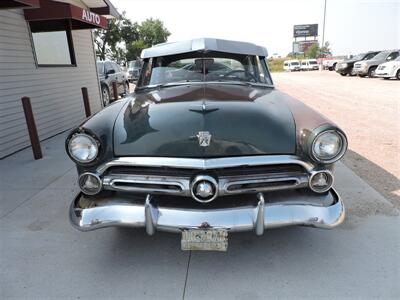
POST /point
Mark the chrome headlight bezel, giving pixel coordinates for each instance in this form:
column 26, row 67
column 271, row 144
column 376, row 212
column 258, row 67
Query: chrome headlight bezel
column 335, row 157
column 93, row 141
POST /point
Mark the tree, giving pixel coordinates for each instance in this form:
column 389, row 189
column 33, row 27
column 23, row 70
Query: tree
column 123, row 40
column 312, row 51
column 325, row 51
column 106, row 39
column 150, row 33
column 134, row 49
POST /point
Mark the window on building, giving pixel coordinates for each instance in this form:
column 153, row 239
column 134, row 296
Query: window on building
column 52, row 43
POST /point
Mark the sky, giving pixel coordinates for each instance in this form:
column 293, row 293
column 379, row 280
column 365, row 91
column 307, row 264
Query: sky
column 352, row 26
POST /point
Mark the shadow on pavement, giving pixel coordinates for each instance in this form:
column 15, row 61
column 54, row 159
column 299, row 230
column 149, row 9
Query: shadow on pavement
column 384, row 182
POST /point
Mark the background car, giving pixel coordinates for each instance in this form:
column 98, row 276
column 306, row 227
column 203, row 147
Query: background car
column 309, row 64
column 346, row 67
column 110, row 72
column 291, row 65
column 389, row 69
column 331, row 64
column 368, row 67
column 134, row 69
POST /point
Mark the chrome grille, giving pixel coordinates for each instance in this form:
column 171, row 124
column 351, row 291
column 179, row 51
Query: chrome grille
column 177, row 181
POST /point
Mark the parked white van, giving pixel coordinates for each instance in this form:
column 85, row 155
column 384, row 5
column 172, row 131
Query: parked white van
column 309, row 64
column 291, row 65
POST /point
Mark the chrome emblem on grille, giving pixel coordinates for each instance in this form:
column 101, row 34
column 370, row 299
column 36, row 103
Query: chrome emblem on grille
column 204, row 188
column 204, row 138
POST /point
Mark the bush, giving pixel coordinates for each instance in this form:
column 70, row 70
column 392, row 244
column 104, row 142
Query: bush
column 276, row 64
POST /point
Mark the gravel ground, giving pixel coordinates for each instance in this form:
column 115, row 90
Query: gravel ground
column 368, row 110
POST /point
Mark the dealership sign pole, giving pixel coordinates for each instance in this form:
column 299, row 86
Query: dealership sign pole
column 323, row 26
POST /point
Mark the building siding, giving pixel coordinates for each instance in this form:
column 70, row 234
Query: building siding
column 55, row 92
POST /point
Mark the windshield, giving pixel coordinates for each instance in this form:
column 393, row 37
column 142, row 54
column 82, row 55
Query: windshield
column 360, row 56
column 370, row 55
column 204, row 67
column 100, row 67
column 134, row 64
column 294, row 63
column 381, row 55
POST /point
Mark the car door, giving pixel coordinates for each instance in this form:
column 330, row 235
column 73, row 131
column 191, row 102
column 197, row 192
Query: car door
column 111, row 75
column 120, row 77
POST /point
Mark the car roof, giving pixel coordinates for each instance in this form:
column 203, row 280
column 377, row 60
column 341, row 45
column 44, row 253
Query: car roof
column 204, row 44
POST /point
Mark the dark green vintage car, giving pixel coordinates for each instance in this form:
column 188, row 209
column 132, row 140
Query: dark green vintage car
column 205, row 146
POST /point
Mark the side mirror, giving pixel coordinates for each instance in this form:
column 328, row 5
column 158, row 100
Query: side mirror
column 111, row 71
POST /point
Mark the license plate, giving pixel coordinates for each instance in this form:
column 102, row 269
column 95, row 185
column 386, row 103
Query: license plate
column 204, row 239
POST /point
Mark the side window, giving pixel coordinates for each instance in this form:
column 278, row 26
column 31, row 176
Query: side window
column 116, row 68
column 392, row 56
column 263, row 70
column 285, row 64
column 108, row 68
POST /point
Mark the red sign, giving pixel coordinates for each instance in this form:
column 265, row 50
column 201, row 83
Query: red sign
column 53, row 10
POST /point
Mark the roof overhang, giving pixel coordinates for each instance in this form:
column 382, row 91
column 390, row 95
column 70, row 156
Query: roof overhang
column 4, row 4
column 204, row 44
column 102, row 7
column 52, row 10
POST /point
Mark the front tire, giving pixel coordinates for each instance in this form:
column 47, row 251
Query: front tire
column 371, row 72
column 398, row 74
column 105, row 95
column 343, row 74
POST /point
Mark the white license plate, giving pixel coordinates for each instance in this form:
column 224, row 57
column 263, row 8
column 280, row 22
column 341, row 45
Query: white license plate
column 205, row 239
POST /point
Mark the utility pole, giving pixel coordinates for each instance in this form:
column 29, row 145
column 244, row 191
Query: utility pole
column 323, row 27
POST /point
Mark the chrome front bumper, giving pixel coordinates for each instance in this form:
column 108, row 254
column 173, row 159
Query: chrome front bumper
column 266, row 213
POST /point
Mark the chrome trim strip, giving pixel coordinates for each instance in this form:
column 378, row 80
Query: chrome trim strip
column 204, row 164
column 301, row 181
column 234, row 219
column 183, row 184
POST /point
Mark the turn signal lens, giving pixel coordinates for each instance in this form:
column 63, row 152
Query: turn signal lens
column 90, row 184
column 321, row 181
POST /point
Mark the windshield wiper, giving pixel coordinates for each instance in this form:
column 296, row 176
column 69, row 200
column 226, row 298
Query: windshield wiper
column 247, row 83
column 164, row 85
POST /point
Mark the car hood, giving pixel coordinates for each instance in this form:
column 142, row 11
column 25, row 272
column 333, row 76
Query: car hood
column 373, row 61
column 241, row 120
column 390, row 63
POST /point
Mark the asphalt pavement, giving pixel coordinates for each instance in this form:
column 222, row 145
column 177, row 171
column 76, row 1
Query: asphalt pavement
column 43, row 257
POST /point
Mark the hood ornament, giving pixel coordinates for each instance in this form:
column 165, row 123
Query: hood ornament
column 203, row 108
column 204, row 138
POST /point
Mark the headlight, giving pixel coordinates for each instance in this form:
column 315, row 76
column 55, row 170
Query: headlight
column 344, row 65
column 83, row 148
column 329, row 146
